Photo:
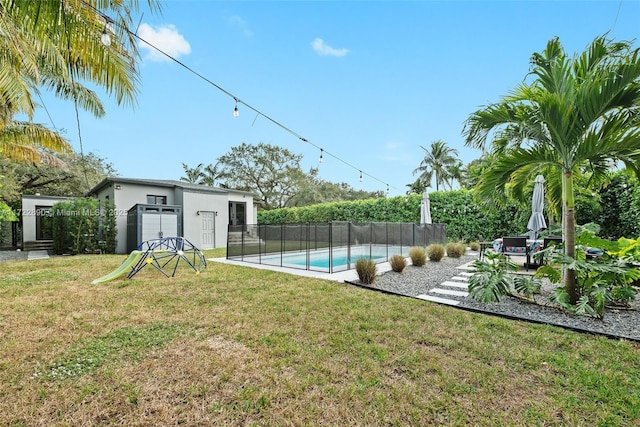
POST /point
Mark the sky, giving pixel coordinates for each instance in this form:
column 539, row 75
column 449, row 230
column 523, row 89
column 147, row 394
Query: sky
column 368, row 82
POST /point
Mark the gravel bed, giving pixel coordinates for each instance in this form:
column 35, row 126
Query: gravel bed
column 414, row 281
column 12, row 255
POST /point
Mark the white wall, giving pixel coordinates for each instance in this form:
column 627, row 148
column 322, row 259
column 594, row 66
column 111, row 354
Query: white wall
column 126, row 195
column 193, row 202
column 29, row 213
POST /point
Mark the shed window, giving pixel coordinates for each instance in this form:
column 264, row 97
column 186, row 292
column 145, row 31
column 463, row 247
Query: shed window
column 156, row 200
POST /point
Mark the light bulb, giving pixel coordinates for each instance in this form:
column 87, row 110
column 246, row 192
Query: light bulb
column 105, row 38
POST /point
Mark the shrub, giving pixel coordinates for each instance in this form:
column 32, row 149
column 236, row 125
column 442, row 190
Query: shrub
column 435, row 252
column 398, row 263
column 367, row 270
column 455, row 250
column 474, row 246
column 418, row 256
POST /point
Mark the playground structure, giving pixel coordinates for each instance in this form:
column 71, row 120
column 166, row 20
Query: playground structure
column 163, row 254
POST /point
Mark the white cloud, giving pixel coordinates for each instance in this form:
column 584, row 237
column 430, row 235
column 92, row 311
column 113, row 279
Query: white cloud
column 324, row 49
column 239, row 23
column 166, row 38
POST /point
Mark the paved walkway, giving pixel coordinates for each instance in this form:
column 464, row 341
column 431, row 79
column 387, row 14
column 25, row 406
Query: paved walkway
column 452, row 291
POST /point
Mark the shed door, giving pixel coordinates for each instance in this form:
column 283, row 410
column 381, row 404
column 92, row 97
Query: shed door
column 169, row 224
column 151, row 226
column 208, row 230
column 156, row 226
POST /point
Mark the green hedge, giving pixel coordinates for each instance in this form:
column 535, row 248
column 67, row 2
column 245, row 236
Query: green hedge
column 464, row 219
column 83, row 226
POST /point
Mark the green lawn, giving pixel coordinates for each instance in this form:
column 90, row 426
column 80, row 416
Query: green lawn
column 240, row 346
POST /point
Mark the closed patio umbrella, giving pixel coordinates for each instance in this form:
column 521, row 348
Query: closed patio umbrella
column 425, row 209
column 536, row 221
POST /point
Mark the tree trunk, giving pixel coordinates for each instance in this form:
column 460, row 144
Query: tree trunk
column 569, row 228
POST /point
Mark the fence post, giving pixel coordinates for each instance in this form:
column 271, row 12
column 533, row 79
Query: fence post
column 330, row 247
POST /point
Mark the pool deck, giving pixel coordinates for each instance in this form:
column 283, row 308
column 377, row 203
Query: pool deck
column 342, row 276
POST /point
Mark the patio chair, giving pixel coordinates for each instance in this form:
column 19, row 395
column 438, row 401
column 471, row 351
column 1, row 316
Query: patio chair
column 516, row 246
column 484, row 245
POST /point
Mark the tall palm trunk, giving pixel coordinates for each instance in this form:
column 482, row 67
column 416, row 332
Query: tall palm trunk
column 569, row 228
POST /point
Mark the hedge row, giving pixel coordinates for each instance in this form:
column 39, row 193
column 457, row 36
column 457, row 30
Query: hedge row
column 463, row 218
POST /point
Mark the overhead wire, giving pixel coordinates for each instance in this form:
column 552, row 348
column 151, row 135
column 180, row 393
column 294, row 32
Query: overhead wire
column 238, row 100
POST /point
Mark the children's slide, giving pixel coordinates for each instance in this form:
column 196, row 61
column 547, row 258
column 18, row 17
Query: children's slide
column 125, row 267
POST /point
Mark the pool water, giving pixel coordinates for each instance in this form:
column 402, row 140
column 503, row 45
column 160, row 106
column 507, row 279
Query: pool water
column 338, row 261
column 320, row 260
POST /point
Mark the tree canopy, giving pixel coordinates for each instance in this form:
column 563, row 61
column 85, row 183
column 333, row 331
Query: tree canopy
column 578, row 116
column 55, row 45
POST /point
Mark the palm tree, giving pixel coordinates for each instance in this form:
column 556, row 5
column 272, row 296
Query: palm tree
column 56, row 45
column 439, row 161
column 578, row 115
column 192, row 175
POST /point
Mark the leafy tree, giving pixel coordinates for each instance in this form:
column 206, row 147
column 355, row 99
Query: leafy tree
column 55, row 45
column 439, row 161
column 578, row 114
column 314, row 190
column 71, row 175
column 272, row 172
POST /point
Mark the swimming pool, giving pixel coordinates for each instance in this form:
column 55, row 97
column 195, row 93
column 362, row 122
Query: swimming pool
column 337, row 259
column 327, row 247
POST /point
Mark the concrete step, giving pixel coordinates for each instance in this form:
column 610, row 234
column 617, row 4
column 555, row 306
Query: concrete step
column 37, row 255
column 38, row 245
column 451, row 284
column 438, row 299
column 449, row 292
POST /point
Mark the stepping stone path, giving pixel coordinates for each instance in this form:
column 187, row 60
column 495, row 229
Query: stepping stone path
column 452, row 291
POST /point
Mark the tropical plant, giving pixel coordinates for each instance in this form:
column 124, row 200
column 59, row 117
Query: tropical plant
column 56, row 45
column 439, row 161
column 578, row 114
column 491, row 280
column 202, row 175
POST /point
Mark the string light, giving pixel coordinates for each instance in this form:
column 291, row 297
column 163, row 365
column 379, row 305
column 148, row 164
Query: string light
column 106, row 40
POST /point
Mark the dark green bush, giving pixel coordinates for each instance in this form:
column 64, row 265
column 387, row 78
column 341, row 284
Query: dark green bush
column 435, row 252
column 398, row 263
column 463, row 216
column 83, row 226
column 367, row 270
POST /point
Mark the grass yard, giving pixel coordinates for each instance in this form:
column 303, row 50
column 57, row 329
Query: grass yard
column 240, row 346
